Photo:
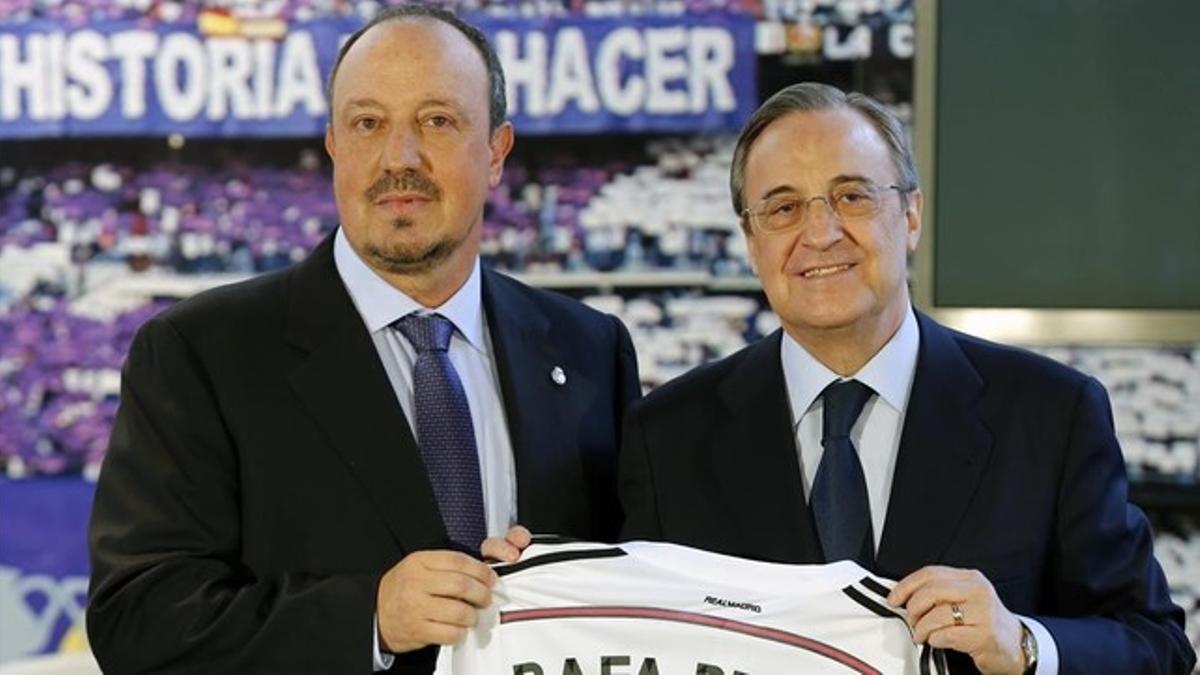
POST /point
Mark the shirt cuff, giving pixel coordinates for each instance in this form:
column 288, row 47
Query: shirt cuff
column 383, row 661
column 1047, row 649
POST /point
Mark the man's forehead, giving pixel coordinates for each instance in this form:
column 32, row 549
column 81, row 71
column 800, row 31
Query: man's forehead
column 836, row 135
column 828, row 128
column 416, row 24
column 416, row 34
column 415, row 44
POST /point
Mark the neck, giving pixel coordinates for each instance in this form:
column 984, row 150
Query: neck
column 846, row 349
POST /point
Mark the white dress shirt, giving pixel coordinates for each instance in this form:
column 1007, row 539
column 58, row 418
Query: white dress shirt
column 379, row 304
column 876, row 434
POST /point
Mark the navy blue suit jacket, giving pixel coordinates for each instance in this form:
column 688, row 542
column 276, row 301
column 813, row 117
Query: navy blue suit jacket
column 261, row 475
column 1008, row 464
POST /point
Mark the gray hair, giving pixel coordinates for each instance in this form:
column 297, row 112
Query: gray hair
column 497, row 100
column 815, row 97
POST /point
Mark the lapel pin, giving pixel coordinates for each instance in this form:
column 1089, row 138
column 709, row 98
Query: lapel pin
column 558, row 376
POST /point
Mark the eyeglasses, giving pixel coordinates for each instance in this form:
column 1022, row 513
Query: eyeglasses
column 849, row 201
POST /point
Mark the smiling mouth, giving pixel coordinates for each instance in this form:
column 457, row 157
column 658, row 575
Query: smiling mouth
column 817, row 272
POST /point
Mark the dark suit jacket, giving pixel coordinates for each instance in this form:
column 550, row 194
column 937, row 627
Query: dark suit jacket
column 1008, row 464
column 262, row 476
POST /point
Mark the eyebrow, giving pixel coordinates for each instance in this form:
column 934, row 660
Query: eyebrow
column 369, row 102
column 839, row 179
column 459, row 111
column 362, row 102
column 442, row 102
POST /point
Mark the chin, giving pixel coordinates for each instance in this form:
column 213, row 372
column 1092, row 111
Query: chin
column 829, row 316
column 408, row 237
column 830, row 323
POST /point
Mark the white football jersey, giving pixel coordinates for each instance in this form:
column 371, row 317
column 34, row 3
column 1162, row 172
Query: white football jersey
column 642, row 608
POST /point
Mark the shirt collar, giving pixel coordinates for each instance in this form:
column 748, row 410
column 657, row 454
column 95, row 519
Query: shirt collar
column 889, row 373
column 379, row 303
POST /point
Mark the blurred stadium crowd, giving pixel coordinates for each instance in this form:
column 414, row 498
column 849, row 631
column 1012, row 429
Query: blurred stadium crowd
column 78, row 12
column 89, row 250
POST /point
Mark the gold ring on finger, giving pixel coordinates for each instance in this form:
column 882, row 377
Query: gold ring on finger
column 956, row 613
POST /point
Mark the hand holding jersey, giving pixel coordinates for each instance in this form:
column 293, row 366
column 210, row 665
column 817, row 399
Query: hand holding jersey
column 431, row 597
column 957, row 609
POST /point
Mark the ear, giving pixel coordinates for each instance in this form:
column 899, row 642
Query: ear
column 751, row 244
column 330, row 147
column 912, row 218
column 500, row 144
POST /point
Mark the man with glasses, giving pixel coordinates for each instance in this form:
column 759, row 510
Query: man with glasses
column 986, row 479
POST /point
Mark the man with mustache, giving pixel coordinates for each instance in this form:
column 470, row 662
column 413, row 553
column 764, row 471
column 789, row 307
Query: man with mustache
column 304, row 465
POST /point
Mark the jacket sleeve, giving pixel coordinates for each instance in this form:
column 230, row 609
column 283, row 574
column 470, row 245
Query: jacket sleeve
column 1111, row 608
column 169, row 591
column 636, row 483
column 629, row 385
column 626, row 389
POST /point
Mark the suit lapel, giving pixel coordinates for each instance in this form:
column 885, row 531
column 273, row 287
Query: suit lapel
column 757, row 461
column 342, row 383
column 543, row 417
column 944, row 448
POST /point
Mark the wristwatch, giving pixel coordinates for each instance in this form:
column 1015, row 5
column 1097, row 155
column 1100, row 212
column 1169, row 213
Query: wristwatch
column 1029, row 652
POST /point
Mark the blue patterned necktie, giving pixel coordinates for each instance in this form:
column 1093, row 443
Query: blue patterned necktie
column 444, row 430
column 839, row 498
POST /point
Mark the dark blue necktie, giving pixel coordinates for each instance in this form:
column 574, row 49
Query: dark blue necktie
column 444, row 430
column 839, row 498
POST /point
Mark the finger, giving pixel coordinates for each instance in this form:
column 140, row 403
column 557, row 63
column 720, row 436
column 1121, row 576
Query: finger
column 929, row 574
column 500, row 550
column 904, row 589
column 937, row 618
column 933, row 595
column 453, row 561
column 965, row 639
column 455, row 586
column 434, row 633
column 917, row 608
column 508, row 549
column 451, row 613
column 519, row 536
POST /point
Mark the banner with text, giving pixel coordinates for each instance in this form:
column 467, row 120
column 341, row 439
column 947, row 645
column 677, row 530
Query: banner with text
column 577, row 75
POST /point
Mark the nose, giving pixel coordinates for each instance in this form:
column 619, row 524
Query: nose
column 820, row 227
column 402, row 149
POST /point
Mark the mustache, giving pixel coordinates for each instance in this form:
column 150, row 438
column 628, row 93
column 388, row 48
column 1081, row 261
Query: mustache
column 409, row 180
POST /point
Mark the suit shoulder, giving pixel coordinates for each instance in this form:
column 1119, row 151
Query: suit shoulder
column 558, row 307
column 697, row 385
column 230, row 308
column 1017, row 364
